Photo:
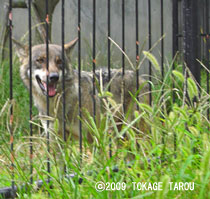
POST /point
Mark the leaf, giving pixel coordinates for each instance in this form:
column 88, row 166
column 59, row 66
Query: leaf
column 136, row 113
column 152, row 59
column 145, row 107
column 181, row 111
column 56, row 125
column 108, row 94
column 191, row 88
column 185, row 165
column 205, row 165
column 178, row 75
column 105, row 94
column 165, row 182
column 194, row 131
column 130, row 125
column 143, row 195
column 172, row 116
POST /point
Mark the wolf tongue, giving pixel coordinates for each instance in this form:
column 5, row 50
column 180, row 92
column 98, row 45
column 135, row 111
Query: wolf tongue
column 51, row 89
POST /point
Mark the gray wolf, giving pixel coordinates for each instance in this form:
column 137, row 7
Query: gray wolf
column 39, row 85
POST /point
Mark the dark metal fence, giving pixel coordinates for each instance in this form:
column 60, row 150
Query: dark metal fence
column 187, row 40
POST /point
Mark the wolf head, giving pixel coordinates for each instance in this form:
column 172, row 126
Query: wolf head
column 39, row 66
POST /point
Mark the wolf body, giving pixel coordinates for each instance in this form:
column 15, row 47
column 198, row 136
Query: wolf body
column 55, row 77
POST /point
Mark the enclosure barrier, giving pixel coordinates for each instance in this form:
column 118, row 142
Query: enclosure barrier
column 185, row 39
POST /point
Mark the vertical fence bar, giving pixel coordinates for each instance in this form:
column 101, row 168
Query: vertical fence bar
column 162, row 41
column 150, row 45
column 203, row 25
column 162, row 52
column 94, row 57
column 137, row 46
column 109, row 55
column 79, row 74
column 63, row 71
column 30, row 89
column 190, row 37
column 11, row 99
column 47, row 97
column 187, row 37
column 207, row 48
column 190, row 41
column 109, row 43
column 123, row 56
column 123, row 36
column 187, row 31
column 175, row 27
column 175, row 48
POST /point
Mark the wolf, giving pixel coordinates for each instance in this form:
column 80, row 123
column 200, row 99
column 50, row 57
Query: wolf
column 39, row 85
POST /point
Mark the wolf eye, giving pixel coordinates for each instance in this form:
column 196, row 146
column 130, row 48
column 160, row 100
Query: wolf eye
column 40, row 60
column 59, row 61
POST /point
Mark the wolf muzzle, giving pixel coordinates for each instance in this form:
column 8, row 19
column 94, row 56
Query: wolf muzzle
column 52, row 83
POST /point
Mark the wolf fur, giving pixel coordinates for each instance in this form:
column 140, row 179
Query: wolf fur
column 39, row 88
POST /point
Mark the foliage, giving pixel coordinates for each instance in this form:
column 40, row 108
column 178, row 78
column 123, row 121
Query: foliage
column 174, row 147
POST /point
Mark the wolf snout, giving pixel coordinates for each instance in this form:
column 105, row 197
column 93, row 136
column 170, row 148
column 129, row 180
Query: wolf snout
column 53, row 77
column 51, row 87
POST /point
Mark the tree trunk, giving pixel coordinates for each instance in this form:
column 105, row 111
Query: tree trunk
column 39, row 17
column 4, row 32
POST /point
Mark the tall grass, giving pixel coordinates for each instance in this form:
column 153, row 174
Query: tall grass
column 174, row 147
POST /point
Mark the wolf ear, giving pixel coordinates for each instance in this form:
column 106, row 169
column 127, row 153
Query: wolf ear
column 69, row 46
column 21, row 50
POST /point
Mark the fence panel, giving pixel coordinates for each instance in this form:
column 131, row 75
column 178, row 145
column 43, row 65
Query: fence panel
column 185, row 40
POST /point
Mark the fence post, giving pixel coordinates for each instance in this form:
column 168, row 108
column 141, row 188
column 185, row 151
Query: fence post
column 175, row 48
column 175, row 27
column 191, row 36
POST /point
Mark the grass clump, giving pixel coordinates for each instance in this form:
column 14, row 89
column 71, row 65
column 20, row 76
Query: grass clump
column 173, row 149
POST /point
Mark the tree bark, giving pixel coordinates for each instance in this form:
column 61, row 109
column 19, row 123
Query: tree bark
column 39, row 17
column 4, row 32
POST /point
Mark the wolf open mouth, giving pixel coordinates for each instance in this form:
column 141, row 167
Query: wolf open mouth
column 43, row 85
